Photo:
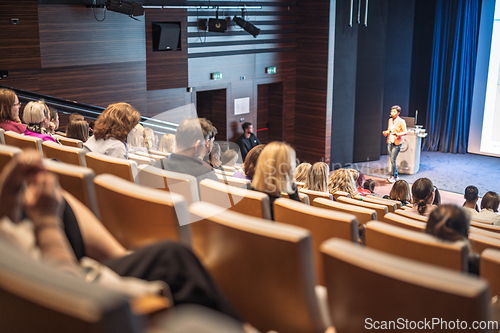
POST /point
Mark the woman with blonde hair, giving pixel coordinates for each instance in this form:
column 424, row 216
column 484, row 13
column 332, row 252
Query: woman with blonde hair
column 229, row 157
column 317, row 179
column 274, row 172
column 167, row 143
column 136, row 139
column 9, row 112
column 78, row 129
column 111, row 130
column 302, row 172
column 37, row 116
column 150, row 138
column 343, row 180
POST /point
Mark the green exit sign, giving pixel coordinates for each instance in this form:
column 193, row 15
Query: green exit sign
column 215, row 76
column 271, row 70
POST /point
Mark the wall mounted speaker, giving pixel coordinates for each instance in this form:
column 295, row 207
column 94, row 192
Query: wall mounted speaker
column 166, row 36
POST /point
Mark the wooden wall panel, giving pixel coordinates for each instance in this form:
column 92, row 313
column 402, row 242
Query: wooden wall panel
column 166, row 69
column 261, row 130
column 70, row 35
column 22, row 79
column 99, row 84
column 19, row 44
column 171, row 105
column 312, row 111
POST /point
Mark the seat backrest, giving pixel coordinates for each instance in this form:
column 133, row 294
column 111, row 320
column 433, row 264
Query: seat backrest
column 2, row 138
column 380, row 209
column 322, row 223
column 7, row 153
column 36, row 297
column 174, row 182
column 140, row 160
column 265, row 269
column 66, row 154
column 240, row 200
column 233, row 181
column 362, row 214
column 79, row 181
column 223, row 172
column 484, row 232
column 337, row 194
column 69, row 142
column 392, row 205
column 489, row 227
column 23, row 141
column 480, row 242
column 113, row 165
column 303, row 197
column 417, row 246
column 137, row 216
column 397, row 202
column 412, row 215
column 365, row 285
column 160, row 160
column 404, row 222
column 490, row 269
column 228, row 168
column 316, row 194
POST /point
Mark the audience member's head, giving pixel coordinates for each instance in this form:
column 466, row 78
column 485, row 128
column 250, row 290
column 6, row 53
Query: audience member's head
column 247, row 127
column 116, row 121
column 343, row 180
column 251, row 160
column 54, row 120
column 167, row 143
column 437, row 197
column 214, row 156
column 136, row 136
column 9, row 105
column 400, row 191
column 491, row 200
column 150, row 138
column 75, row 116
column 302, row 172
column 275, row 169
column 360, row 180
column 448, row 222
column 370, row 186
column 37, row 113
column 422, row 192
column 318, row 177
column 471, row 194
column 195, row 137
column 78, row 129
column 229, row 157
column 91, row 128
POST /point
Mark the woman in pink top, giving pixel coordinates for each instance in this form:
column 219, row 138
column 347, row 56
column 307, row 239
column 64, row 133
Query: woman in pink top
column 9, row 112
column 36, row 115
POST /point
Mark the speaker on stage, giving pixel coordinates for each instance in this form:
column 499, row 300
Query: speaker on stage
column 166, row 36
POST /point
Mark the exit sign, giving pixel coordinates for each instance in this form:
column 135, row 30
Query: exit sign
column 215, row 76
column 271, row 70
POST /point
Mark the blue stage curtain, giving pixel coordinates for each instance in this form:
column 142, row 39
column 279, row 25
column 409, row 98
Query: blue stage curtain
column 452, row 75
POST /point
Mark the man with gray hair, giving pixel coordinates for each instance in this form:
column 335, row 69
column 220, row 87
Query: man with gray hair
column 194, row 138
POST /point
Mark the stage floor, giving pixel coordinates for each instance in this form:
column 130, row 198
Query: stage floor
column 449, row 172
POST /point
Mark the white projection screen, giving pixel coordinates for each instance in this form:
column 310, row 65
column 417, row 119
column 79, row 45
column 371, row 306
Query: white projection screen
column 484, row 135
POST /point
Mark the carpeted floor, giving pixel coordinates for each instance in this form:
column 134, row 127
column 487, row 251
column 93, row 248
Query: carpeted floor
column 450, row 172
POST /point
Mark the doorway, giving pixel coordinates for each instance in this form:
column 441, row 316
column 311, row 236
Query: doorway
column 211, row 104
column 270, row 112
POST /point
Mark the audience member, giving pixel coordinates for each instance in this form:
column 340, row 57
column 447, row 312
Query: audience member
column 422, row 192
column 9, row 112
column 167, row 143
column 400, row 191
column 250, row 163
column 54, row 121
column 471, row 196
column 437, row 197
column 37, row 116
column 248, row 140
column 318, row 177
column 229, row 157
column 194, row 139
column 343, row 180
column 91, row 128
column 111, row 130
column 150, row 139
column 135, row 139
column 169, row 262
column 370, row 186
column 274, row 172
column 214, row 156
column 360, row 181
column 78, row 129
column 489, row 208
column 302, row 172
column 72, row 117
column 450, row 223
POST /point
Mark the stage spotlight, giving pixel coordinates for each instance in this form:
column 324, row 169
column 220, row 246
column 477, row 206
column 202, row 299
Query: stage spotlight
column 125, row 7
column 247, row 26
